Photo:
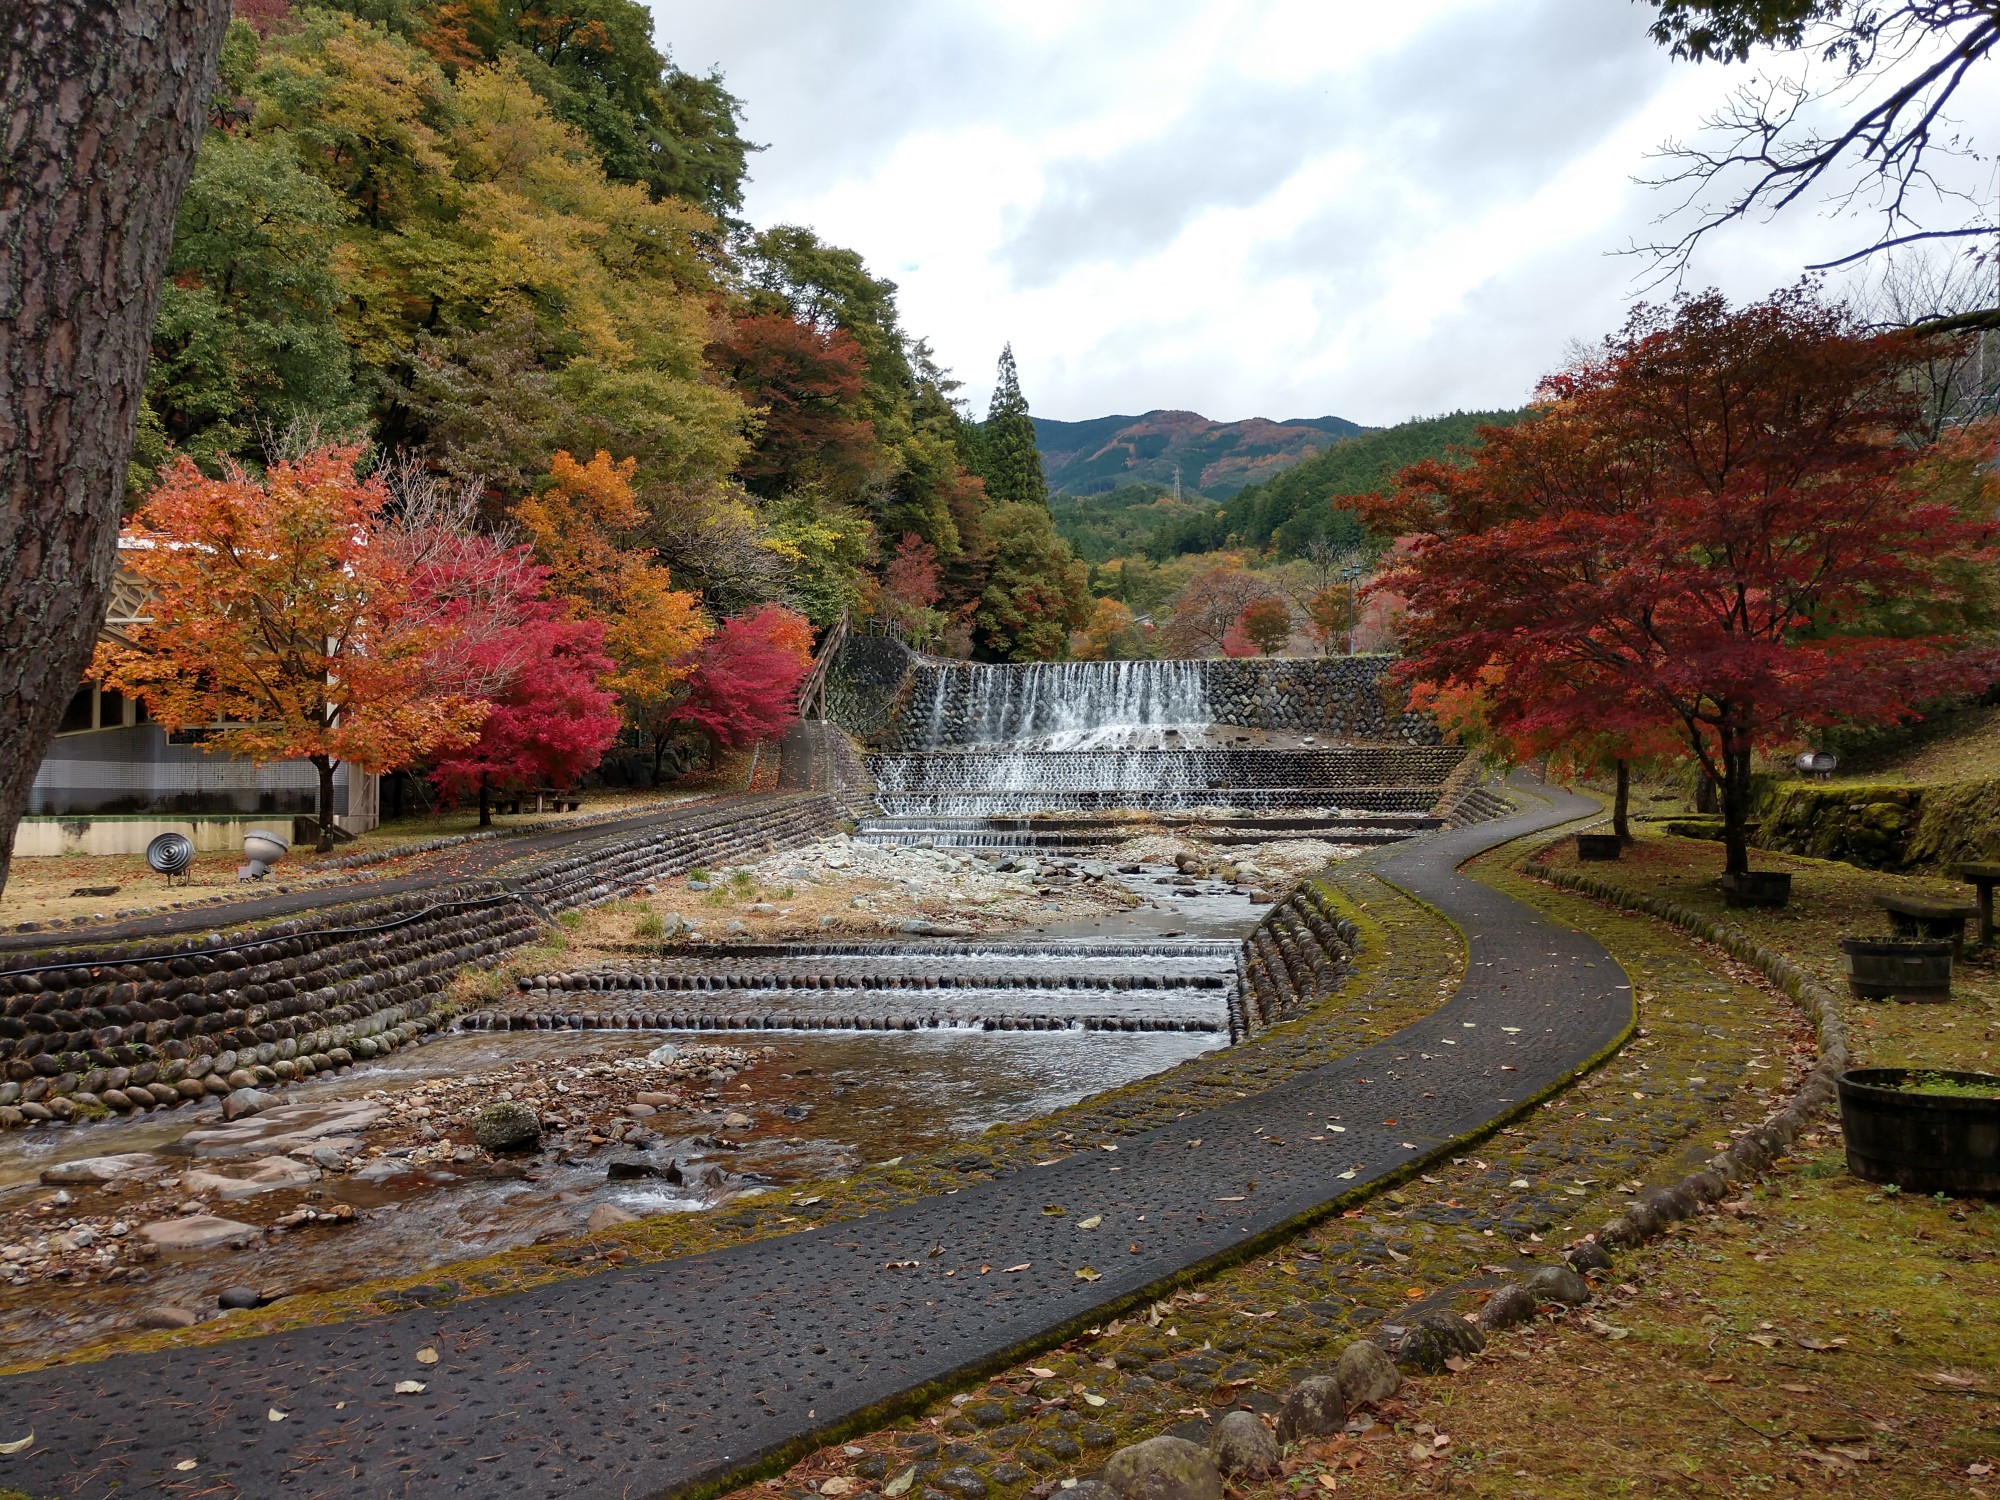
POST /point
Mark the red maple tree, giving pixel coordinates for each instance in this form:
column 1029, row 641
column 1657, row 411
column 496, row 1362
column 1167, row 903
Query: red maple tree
column 552, row 719
column 807, row 384
column 1720, row 522
column 745, row 685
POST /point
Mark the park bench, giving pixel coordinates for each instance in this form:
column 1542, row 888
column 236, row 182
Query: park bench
column 1920, row 917
column 1982, row 878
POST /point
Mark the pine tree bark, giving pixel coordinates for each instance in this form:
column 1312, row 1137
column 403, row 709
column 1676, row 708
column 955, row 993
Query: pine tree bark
column 101, row 107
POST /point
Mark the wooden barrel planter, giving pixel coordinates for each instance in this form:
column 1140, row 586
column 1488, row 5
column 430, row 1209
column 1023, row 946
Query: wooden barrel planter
column 1927, row 1132
column 1599, row 846
column 1759, row 888
column 1897, row 968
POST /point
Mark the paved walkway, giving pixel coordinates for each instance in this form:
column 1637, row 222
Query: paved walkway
column 646, row 1381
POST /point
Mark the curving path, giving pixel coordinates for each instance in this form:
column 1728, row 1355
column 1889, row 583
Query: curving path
column 648, row 1381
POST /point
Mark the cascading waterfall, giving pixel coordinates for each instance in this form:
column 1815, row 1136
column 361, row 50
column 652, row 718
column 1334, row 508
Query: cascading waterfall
column 1068, row 705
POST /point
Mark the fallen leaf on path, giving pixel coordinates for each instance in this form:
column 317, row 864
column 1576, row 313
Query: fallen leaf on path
column 1087, row 1273
column 1819, row 1344
column 1021, row 1267
column 1797, row 1390
column 1457, row 1364
column 899, row 1265
column 1053, row 1209
column 840, row 1484
column 410, row 1387
column 1608, row 1330
column 185, row 1464
column 427, row 1355
column 19, row 1443
column 274, row 1415
column 1326, row 1482
column 1090, row 1223
column 900, row 1485
column 1092, row 1399
column 1041, row 1372
column 1768, row 1340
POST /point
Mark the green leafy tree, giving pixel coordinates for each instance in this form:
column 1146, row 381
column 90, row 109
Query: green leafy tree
column 1036, row 591
column 247, row 338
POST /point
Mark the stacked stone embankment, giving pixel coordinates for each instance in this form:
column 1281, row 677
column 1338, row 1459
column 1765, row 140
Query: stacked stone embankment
column 1297, row 956
column 86, row 1030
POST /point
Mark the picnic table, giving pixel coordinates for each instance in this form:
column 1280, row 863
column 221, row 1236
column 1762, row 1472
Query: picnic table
column 1982, row 878
column 1924, row 917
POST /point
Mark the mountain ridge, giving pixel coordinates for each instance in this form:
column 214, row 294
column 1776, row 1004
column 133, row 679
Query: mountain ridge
column 1164, row 446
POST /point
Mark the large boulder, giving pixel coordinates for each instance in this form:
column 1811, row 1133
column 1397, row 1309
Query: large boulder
column 1242, row 1445
column 507, row 1126
column 1164, row 1468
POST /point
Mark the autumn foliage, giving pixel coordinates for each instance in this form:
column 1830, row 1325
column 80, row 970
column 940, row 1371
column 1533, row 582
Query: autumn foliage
column 1722, row 523
column 744, row 687
column 581, row 526
column 282, row 619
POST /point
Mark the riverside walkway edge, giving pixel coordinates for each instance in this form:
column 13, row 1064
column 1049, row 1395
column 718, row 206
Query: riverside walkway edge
column 672, row 1377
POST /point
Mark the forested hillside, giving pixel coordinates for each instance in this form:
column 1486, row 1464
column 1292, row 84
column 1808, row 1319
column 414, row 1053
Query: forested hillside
column 1178, row 447
column 483, row 233
column 1287, row 513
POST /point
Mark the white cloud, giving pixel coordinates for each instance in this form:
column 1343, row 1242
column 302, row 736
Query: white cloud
column 1244, row 207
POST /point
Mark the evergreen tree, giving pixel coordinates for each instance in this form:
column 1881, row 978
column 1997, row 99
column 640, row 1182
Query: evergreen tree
column 1008, row 459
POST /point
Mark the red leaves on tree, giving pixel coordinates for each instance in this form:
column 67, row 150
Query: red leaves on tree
column 1264, row 627
column 552, row 718
column 1720, row 524
column 745, row 686
column 808, row 384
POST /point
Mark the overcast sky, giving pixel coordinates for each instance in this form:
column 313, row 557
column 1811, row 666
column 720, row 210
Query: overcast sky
column 1288, row 208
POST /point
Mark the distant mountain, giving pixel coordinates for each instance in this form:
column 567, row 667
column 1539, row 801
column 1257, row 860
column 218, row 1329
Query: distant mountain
column 1214, row 458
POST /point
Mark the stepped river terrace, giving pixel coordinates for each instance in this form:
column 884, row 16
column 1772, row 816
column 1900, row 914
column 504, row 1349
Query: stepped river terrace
column 1056, row 1059
column 1045, row 887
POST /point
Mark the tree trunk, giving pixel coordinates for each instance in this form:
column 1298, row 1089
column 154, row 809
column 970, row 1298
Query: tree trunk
column 324, row 764
column 485, row 800
column 101, row 106
column 1735, row 798
column 1621, row 806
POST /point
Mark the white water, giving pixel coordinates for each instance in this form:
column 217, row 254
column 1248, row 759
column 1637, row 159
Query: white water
column 1071, row 705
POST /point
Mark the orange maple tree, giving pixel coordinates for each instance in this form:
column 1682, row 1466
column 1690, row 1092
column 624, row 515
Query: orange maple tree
column 282, row 623
column 579, row 525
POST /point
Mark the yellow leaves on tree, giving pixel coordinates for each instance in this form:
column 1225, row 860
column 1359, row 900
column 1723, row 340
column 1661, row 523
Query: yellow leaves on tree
column 279, row 615
column 651, row 629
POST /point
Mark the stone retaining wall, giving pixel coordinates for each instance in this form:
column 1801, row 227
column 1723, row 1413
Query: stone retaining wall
column 1299, row 953
column 85, row 1030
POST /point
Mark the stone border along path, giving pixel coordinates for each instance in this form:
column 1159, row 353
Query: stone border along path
column 677, row 1376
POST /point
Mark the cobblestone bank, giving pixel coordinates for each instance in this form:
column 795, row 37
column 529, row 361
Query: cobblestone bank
column 89, row 1031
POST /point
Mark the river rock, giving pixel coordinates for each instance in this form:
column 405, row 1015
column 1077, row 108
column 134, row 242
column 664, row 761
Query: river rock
column 1433, row 1339
column 608, row 1216
column 245, row 1101
column 1164, row 1468
column 1315, row 1407
column 1558, row 1284
column 1241, row 1444
column 1588, row 1257
column 199, row 1232
column 506, row 1126
column 98, row 1169
column 1366, row 1374
column 162, row 1316
column 1510, row 1305
column 625, row 1169
column 239, row 1298
column 267, row 1174
column 736, row 1120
